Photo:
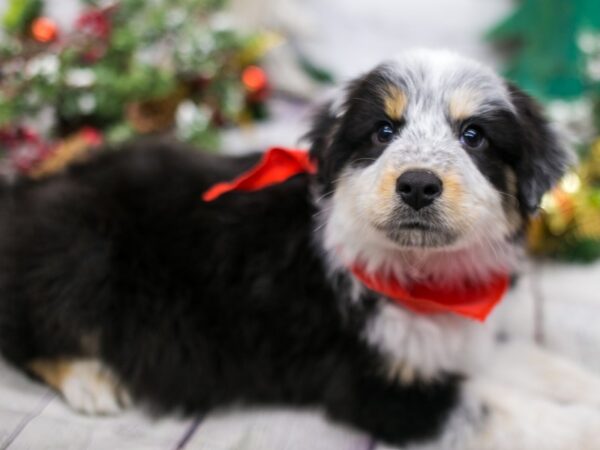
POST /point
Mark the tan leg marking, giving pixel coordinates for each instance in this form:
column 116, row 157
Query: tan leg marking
column 86, row 385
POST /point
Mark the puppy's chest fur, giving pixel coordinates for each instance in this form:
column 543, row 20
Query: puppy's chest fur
column 416, row 347
column 424, row 347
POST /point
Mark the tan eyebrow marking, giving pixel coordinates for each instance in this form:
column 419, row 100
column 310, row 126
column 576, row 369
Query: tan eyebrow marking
column 394, row 102
column 463, row 103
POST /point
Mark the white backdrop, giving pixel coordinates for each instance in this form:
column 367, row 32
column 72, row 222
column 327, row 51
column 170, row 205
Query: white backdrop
column 351, row 35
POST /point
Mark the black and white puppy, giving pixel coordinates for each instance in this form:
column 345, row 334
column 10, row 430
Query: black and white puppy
column 118, row 282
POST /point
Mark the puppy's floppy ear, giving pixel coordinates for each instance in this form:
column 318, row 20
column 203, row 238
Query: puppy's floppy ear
column 543, row 157
column 321, row 136
column 325, row 129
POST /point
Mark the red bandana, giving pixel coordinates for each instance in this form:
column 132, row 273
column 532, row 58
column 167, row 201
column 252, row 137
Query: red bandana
column 474, row 301
column 276, row 166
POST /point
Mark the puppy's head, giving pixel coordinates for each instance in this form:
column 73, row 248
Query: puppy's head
column 433, row 151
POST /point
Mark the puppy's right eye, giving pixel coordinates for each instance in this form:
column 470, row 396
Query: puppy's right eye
column 384, row 134
column 473, row 137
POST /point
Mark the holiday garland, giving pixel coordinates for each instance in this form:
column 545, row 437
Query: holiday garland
column 124, row 68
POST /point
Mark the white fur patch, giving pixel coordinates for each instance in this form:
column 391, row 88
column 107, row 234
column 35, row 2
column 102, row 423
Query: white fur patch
column 425, row 346
column 347, row 236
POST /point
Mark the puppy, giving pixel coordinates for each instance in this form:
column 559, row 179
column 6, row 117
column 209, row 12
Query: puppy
column 118, row 282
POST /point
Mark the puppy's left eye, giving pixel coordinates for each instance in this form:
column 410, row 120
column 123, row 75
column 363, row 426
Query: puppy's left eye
column 473, row 137
column 384, row 134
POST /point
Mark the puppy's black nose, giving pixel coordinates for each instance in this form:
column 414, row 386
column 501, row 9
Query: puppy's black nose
column 418, row 188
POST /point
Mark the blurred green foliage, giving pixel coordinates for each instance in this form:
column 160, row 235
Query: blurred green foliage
column 130, row 51
column 554, row 44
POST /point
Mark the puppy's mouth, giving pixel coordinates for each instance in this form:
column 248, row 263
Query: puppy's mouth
column 416, row 225
column 418, row 233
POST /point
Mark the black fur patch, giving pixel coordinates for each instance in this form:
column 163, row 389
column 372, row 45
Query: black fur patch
column 348, row 140
column 526, row 144
column 543, row 159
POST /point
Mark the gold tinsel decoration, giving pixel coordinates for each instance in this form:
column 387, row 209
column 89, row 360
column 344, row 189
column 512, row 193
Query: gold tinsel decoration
column 73, row 148
column 569, row 222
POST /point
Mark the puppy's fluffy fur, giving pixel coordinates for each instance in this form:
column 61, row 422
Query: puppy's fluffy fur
column 118, row 268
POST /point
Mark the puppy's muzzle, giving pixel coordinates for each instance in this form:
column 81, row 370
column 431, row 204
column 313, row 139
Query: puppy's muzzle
column 418, row 188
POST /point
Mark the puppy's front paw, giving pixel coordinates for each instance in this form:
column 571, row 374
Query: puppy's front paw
column 92, row 389
column 86, row 385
